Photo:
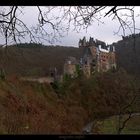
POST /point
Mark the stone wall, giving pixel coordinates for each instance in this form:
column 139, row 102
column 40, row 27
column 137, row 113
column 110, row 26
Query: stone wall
column 70, row 69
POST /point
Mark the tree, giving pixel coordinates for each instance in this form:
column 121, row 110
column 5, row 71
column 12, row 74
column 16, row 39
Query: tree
column 126, row 97
column 13, row 27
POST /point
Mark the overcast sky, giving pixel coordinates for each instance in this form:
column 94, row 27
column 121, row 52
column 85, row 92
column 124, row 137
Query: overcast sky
column 104, row 32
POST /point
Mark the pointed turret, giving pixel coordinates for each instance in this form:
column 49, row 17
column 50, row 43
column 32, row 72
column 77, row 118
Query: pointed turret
column 84, row 41
column 80, row 43
column 91, row 41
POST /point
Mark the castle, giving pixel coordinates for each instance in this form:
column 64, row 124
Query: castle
column 97, row 56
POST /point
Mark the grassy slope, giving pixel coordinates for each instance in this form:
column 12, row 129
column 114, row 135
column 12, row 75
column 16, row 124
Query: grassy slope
column 109, row 126
column 33, row 108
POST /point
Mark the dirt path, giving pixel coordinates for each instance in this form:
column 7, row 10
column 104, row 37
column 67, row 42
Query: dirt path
column 40, row 79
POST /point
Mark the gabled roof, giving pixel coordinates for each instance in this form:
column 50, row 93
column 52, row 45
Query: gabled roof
column 91, row 41
column 105, row 49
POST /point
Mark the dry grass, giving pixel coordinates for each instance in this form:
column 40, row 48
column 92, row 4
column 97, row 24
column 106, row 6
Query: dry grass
column 25, row 109
column 34, row 108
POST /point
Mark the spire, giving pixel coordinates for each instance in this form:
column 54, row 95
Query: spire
column 80, row 43
column 84, row 41
column 91, row 41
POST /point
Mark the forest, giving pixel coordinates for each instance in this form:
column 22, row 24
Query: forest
column 36, row 59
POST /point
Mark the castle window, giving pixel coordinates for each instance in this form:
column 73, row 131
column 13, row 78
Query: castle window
column 69, row 62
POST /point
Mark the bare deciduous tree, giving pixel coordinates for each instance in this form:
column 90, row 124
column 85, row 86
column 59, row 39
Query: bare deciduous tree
column 12, row 27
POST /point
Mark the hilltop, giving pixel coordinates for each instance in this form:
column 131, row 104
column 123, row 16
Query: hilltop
column 127, row 52
column 35, row 59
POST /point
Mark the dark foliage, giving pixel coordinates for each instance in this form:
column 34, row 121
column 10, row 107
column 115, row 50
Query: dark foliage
column 127, row 52
column 35, row 59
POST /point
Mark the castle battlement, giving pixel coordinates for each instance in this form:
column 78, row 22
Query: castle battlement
column 99, row 56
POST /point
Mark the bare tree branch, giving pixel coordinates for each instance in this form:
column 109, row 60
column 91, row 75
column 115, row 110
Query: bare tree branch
column 78, row 16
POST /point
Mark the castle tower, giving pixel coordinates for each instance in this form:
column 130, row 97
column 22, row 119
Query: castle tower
column 70, row 67
column 113, row 57
column 91, row 42
column 97, row 56
column 84, row 42
column 80, row 43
